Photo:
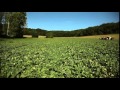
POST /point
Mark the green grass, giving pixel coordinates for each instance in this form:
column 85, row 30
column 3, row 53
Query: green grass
column 59, row 58
column 115, row 36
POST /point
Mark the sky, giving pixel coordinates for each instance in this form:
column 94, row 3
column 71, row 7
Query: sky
column 57, row 21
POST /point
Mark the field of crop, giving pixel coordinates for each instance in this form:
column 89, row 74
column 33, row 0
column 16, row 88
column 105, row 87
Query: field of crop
column 59, row 58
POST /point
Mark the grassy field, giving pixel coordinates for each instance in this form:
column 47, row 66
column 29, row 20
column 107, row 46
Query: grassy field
column 59, row 58
column 115, row 36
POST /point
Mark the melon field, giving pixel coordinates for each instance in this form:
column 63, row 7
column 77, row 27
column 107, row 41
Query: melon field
column 59, row 58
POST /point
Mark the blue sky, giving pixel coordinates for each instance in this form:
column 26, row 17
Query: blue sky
column 69, row 20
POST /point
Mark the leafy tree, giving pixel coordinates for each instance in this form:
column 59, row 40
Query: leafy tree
column 15, row 23
column 49, row 35
column 34, row 33
column 1, row 26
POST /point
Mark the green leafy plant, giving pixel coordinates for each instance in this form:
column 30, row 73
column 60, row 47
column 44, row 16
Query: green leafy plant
column 59, row 58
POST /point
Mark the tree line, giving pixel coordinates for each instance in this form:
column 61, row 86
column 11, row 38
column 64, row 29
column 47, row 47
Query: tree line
column 106, row 28
column 13, row 24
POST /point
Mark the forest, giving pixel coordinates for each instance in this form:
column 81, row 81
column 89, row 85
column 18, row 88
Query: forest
column 106, row 28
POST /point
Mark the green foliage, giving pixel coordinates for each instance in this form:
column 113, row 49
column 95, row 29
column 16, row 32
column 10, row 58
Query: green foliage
column 15, row 22
column 29, row 31
column 34, row 34
column 59, row 58
column 108, row 28
column 49, row 35
column 1, row 26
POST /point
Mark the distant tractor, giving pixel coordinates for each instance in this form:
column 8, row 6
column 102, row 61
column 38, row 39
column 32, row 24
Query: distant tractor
column 106, row 38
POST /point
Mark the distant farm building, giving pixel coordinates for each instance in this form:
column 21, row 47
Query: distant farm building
column 30, row 36
column 41, row 36
column 27, row 36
